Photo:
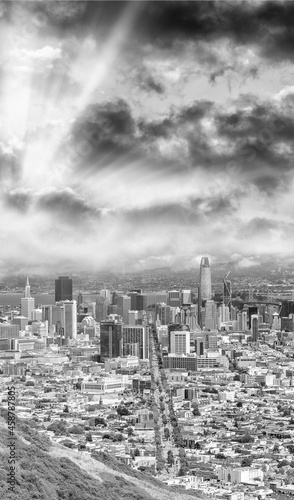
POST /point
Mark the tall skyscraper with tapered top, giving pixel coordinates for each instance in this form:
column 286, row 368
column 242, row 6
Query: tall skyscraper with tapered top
column 205, row 279
column 27, row 302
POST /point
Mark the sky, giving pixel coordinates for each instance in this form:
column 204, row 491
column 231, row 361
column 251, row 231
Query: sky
column 138, row 135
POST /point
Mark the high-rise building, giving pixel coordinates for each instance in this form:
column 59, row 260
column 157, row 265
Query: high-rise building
column 163, row 312
column 186, row 297
column 133, row 317
column 63, row 288
column 254, row 327
column 70, row 318
column 223, row 314
column 27, row 302
column 101, row 308
column 123, row 307
column 47, row 314
column 210, row 315
column 180, row 342
column 135, row 341
column 174, row 298
column 111, row 338
column 80, row 299
column 205, row 279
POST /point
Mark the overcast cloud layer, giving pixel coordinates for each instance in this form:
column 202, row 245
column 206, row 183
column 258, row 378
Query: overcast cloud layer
column 136, row 135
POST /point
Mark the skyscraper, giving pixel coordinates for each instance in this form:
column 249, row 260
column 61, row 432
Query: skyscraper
column 135, row 341
column 123, row 307
column 27, row 302
column 210, row 315
column 111, row 338
column 63, row 288
column 70, row 319
column 254, row 327
column 205, row 279
column 180, row 342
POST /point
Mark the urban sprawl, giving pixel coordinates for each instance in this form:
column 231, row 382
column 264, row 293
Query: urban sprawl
column 192, row 387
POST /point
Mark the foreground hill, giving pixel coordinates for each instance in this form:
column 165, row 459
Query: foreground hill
column 53, row 472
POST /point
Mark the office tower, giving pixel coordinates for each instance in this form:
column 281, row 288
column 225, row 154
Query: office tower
column 252, row 310
column 80, row 299
column 136, row 341
column 287, row 324
column 223, row 314
column 199, row 307
column 63, row 288
column 233, row 313
column 205, row 279
column 47, row 314
column 227, row 293
column 162, row 333
column 110, row 339
column 141, row 302
column 133, row 317
column 27, row 302
column 101, row 308
column 37, row 315
column 174, row 298
column 105, row 294
column 199, row 346
column 244, row 320
column 254, row 327
column 163, row 312
column 58, row 315
column 186, row 297
column 210, row 315
column 21, row 321
column 8, row 331
column 70, row 318
column 123, row 307
column 133, row 295
column 180, row 342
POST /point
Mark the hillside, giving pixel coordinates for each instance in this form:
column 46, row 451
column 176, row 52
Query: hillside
column 45, row 472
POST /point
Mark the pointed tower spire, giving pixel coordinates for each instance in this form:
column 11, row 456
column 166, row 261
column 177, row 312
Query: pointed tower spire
column 27, row 288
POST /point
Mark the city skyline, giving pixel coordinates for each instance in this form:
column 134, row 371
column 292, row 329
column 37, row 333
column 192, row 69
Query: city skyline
column 138, row 135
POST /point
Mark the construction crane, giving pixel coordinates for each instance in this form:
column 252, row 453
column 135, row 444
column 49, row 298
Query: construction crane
column 227, row 292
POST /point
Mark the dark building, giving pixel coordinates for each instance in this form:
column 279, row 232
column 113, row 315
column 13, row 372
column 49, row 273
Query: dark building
column 287, row 324
column 110, row 339
column 63, row 288
column 287, row 308
column 251, row 310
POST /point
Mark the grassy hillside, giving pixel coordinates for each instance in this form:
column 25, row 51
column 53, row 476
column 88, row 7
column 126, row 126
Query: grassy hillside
column 46, row 472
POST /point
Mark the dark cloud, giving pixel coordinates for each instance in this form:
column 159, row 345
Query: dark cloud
column 18, row 199
column 270, row 24
column 67, row 205
column 149, row 83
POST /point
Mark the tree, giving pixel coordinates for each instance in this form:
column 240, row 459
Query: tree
column 89, row 437
column 170, row 458
column 130, row 431
column 137, row 452
column 196, row 412
column 166, row 432
column 183, row 470
column 239, row 404
column 247, row 462
column 122, row 410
